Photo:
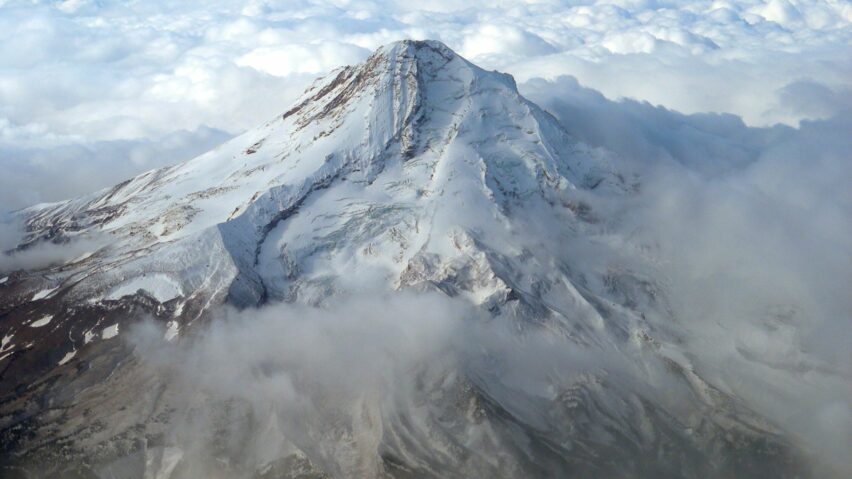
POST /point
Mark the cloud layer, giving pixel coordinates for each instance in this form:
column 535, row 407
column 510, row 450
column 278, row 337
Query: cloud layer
column 85, row 85
column 376, row 376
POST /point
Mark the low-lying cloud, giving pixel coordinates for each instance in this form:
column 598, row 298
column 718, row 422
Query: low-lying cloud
column 44, row 171
column 41, row 254
column 339, row 382
column 749, row 230
column 303, row 378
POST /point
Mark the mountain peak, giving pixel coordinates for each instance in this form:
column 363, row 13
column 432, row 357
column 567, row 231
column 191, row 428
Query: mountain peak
column 429, row 56
column 412, row 48
column 398, row 79
column 433, row 56
column 415, row 135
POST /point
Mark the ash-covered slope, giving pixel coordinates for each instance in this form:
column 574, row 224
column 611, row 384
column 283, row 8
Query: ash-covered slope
column 415, row 170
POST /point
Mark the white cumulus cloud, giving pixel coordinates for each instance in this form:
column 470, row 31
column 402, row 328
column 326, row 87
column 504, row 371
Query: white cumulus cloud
column 83, row 74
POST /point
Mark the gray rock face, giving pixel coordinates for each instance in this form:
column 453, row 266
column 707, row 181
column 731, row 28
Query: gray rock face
column 414, row 171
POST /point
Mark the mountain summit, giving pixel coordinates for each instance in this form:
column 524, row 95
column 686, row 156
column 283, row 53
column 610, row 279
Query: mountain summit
column 414, row 129
column 413, row 171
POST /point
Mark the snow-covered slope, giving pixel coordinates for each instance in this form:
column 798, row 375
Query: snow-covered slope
column 413, row 126
column 415, row 170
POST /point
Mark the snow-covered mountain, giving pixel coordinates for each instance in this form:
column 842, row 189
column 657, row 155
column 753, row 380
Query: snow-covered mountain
column 413, row 171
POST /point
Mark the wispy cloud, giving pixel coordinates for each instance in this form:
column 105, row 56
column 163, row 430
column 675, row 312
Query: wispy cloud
column 748, row 229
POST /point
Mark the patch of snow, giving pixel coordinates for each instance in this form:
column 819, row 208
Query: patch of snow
column 110, row 332
column 68, row 357
column 170, row 459
column 4, row 279
column 41, row 322
column 88, row 336
column 160, row 286
column 6, row 346
column 172, row 331
column 44, row 293
column 82, row 257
